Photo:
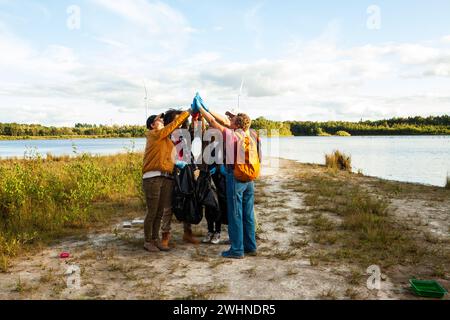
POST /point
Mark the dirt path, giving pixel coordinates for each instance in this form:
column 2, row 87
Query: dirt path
column 113, row 264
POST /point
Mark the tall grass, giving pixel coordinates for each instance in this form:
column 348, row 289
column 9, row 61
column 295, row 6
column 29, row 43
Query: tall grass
column 338, row 161
column 368, row 232
column 40, row 197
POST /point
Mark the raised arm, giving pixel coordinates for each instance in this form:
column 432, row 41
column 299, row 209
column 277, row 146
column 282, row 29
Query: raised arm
column 211, row 120
column 221, row 119
column 175, row 124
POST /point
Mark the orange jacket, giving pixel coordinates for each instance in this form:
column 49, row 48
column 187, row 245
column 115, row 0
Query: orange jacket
column 159, row 148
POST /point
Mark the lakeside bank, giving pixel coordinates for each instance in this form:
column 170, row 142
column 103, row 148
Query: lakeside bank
column 320, row 230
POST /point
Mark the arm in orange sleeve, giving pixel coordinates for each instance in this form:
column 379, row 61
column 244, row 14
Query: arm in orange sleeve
column 171, row 127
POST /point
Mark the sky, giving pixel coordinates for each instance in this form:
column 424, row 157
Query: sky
column 87, row 61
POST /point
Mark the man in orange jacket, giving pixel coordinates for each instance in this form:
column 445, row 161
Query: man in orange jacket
column 157, row 172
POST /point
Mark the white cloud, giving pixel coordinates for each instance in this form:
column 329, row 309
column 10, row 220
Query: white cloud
column 156, row 16
column 111, row 42
column 446, row 39
column 12, row 49
column 317, row 80
column 415, row 53
column 161, row 24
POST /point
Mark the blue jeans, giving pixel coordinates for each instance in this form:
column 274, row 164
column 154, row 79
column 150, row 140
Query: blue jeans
column 241, row 218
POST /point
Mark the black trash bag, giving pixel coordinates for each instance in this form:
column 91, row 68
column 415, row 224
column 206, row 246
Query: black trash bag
column 207, row 196
column 185, row 203
column 221, row 191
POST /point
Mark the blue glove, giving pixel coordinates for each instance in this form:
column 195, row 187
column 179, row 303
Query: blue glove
column 213, row 171
column 195, row 106
column 197, row 102
column 200, row 100
column 181, row 164
column 222, row 170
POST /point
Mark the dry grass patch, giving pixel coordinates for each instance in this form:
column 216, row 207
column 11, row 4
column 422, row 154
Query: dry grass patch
column 325, row 238
column 283, row 255
column 329, row 294
column 199, row 255
column 279, row 228
column 321, row 223
column 292, row 271
column 204, row 292
column 352, row 294
column 368, row 233
column 301, row 221
column 338, row 161
column 298, row 244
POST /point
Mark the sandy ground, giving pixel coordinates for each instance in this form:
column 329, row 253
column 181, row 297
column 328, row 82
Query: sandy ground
column 113, row 264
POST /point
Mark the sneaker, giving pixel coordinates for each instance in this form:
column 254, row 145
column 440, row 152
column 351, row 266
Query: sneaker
column 216, row 238
column 208, row 238
column 229, row 255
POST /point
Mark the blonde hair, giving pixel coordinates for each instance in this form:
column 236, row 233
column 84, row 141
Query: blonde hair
column 243, row 121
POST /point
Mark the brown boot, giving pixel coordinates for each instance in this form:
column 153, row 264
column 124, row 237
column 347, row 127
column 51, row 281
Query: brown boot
column 151, row 247
column 164, row 246
column 189, row 238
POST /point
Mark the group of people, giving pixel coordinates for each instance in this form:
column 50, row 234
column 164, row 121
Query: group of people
column 236, row 160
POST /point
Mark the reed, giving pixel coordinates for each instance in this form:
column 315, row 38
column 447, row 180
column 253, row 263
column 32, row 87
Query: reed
column 338, row 161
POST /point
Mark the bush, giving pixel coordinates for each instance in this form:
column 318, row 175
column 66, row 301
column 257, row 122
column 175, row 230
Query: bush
column 322, row 133
column 447, row 185
column 342, row 133
column 338, row 161
column 40, row 198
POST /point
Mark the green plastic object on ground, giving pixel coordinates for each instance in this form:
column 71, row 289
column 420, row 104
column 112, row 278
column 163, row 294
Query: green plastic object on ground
column 427, row 288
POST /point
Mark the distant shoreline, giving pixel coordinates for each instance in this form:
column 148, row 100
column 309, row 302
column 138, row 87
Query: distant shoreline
column 29, row 138
column 18, row 138
column 411, row 126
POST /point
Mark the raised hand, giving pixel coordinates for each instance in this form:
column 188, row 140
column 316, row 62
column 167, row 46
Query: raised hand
column 195, row 105
column 202, row 103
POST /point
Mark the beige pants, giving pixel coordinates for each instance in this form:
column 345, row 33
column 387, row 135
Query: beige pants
column 158, row 195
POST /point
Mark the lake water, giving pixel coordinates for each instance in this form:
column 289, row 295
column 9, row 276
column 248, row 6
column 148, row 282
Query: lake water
column 423, row 159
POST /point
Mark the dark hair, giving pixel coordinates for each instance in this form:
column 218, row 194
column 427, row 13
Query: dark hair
column 171, row 114
column 152, row 118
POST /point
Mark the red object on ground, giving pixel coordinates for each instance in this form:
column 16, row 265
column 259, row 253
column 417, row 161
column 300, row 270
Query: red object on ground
column 64, row 255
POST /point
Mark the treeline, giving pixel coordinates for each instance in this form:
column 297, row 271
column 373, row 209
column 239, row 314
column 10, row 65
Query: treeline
column 439, row 125
column 36, row 130
column 434, row 125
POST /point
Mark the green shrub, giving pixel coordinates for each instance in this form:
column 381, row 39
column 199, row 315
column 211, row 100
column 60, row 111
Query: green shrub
column 322, row 133
column 40, row 197
column 342, row 133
